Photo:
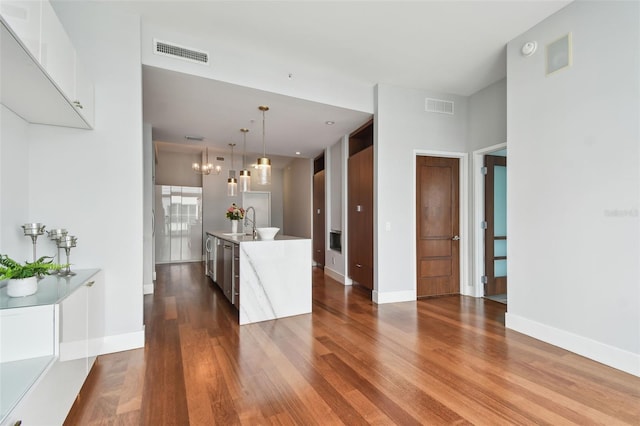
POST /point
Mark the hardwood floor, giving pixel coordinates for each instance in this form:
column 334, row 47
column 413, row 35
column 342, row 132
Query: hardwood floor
column 435, row 361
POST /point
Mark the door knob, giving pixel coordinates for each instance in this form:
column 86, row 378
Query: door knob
column 455, row 238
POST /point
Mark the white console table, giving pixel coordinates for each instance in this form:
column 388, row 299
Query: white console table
column 48, row 344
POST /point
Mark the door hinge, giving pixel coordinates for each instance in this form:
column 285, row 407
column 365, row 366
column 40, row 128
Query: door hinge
column 484, row 170
column 484, row 224
column 484, row 279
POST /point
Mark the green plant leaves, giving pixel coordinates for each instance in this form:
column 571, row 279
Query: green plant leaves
column 10, row 269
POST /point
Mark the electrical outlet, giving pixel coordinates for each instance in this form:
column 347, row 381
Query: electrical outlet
column 333, row 260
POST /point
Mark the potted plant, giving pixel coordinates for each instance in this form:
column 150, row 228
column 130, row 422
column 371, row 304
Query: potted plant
column 235, row 213
column 23, row 278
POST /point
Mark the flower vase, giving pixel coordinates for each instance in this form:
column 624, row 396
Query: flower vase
column 234, row 226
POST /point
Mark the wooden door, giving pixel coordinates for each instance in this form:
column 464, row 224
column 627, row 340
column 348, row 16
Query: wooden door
column 365, row 216
column 353, row 182
column 360, row 210
column 319, row 218
column 437, row 233
column 495, row 236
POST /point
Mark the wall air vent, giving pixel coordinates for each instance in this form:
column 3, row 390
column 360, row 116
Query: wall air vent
column 438, row 105
column 176, row 51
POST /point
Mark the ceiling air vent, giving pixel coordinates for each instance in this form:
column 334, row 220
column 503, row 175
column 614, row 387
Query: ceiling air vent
column 438, row 105
column 176, row 51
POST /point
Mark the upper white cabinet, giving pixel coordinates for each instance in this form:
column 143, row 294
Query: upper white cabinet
column 57, row 54
column 42, row 77
column 83, row 93
column 24, row 19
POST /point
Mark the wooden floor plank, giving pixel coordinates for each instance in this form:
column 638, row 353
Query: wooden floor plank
column 446, row 360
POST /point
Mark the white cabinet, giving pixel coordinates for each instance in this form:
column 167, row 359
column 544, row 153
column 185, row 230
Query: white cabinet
column 95, row 316
column 43, row 79
column 24, row 18
column 82, row 322
column 64, row 318
column 82, row 97
column 57, row 55
column 73, row 325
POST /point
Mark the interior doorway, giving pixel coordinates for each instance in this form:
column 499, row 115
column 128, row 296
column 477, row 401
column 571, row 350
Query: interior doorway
column 437, row 226
column 495, row 226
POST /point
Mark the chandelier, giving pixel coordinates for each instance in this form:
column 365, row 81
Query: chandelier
column 206, row 168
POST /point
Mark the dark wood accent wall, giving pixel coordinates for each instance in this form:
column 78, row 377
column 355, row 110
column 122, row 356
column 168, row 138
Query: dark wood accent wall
column 361, row 138
column 319, row 227
column 360, row 205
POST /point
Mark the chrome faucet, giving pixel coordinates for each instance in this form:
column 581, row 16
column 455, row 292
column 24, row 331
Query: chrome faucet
column 253, row 222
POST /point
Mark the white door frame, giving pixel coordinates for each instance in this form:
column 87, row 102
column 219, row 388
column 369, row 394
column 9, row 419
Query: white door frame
column 465, row 287
column 478, row 217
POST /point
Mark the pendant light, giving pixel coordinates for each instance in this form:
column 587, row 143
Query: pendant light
column 264, row 164
column 232, row 182
column 245, row 175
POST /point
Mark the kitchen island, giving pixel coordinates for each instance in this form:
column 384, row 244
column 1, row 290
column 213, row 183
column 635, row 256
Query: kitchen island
column 263, row 279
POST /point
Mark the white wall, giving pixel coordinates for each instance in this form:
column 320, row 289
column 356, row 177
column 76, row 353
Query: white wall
column 298, row 200
column 401, row 127
column 174, row 168
column 90, row 181
column 336, row 198
column 487, row 127
column 148, row 206
column 335, row 178
column 14, row 189
column 320, row 85
column 488, row 116
column 574, row 185
column 215, row 201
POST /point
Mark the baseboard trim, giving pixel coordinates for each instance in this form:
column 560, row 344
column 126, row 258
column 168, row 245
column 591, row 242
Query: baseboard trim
column 148, row 289
column 617, row 358
column 393, row 296
column 337, row 276
column 123, row 342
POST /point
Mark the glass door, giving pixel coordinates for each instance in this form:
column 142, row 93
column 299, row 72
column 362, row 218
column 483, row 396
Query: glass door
column 496, row 229
column 178, row 217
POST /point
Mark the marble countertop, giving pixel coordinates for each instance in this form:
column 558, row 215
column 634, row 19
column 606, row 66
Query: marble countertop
column 244, row 238
column 51, row 289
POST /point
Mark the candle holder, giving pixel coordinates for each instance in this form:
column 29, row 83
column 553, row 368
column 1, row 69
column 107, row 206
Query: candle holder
column 67, row 242
column 33, row 230
column 55, row 235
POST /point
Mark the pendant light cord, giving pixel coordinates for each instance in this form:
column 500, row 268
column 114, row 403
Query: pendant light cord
column 244, row 148
column 264, row 149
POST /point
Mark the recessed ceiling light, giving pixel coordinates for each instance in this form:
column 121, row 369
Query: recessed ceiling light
column 297, row 152
column 329, row 123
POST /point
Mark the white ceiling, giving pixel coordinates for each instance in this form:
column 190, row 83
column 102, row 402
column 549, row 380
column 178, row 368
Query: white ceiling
column 178, row 105
column 447, row 46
